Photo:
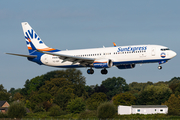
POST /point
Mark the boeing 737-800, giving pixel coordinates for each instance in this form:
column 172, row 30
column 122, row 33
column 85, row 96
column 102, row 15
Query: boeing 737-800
column 123, row 57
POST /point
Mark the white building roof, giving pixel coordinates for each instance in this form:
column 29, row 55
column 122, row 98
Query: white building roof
column 149, row 106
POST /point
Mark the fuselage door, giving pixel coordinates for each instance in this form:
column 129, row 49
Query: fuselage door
column 153, row 52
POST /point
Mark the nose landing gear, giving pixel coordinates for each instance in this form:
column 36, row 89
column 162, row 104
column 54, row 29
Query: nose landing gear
column 159, row 67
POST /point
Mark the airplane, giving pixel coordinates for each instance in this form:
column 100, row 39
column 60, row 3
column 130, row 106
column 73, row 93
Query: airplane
column 122, row 57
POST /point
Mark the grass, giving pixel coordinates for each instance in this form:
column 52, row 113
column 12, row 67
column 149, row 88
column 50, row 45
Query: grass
column 91, row 115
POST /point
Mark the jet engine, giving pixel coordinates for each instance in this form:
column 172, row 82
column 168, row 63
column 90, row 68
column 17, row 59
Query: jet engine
column 104, row 63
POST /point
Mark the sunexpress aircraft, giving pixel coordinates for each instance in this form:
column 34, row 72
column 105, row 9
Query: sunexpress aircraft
column 123, row 57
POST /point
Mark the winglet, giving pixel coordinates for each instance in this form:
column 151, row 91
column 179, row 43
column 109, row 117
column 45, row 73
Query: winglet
column 114, row 44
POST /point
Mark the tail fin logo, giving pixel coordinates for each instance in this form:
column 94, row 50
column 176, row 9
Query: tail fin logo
column 32, row 35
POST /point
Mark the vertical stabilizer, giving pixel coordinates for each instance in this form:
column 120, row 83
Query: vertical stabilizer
column 31, row 36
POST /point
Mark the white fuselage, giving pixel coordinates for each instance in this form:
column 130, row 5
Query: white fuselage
column 119, row 55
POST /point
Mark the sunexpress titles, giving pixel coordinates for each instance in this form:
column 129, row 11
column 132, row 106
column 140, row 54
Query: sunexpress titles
column 125, row 49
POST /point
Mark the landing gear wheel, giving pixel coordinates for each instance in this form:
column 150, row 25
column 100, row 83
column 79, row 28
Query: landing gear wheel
column 90, row 71
column 159, row 67
column 104, row 71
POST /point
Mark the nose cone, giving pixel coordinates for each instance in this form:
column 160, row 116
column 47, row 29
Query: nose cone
column 173, row 54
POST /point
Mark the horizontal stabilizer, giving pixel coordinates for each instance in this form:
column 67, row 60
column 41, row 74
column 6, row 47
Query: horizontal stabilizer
column 29, row 56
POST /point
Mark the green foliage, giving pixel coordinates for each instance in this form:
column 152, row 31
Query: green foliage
column 174, row 80
column 106, row 110
column 54, row 85
column 4, row 95
column 38, row 108
column 2, row 89
column 154, row 95
column 88, row 114
column 17, row 96
column 13, row 91
column 89, row 90
column 95, row 100
column 173, row 105
column 56, row 111
column 16, row 110
column 115, row 86
column 177, row 90
column 36, row 99
column 145, row 117
column 74, row 76
column 3, row 115
column 135, row 86
column 124, row 99
column 76, row 105
column 37, row 116
column 63, row 97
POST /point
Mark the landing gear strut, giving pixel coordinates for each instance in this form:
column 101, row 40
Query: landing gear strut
column 104, row 71
column 90, row 71
column 159, row 67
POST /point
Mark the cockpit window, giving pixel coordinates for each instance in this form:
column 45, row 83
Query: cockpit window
column 164, row 49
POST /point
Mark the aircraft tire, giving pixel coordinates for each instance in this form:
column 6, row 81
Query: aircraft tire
column 104, row 71
column 159, row 67
column 90, row 71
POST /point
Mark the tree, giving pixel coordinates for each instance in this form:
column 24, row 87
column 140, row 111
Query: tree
column 37, row 100
column 4, row 95
column 2, row 89
column 100, row 88
column 135, row 86
column 14, row 91
column 74, row 76
column 124, row 99
column 174, row 80
column 63, row 97
column 54, row 85
column 18, row 96
column 106, row 110
column 173, row 105
column 16, row 110
column 154, row 95
column 95, row 100
column 55, row 111
column 177, row 90
column 89, row 90
column 76, row 105
column 115, row 86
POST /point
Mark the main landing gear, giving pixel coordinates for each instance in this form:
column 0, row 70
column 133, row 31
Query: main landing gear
column 90, row 71
column 103, row 71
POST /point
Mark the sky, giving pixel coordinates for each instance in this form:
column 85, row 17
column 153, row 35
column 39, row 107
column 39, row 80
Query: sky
column 79, row 24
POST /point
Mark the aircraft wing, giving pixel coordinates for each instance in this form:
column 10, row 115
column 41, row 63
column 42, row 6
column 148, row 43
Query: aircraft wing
column 74, row 59
column 29, row 56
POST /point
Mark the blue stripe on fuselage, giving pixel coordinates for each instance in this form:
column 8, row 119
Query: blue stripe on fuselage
column 117, row 63
column 140, row 61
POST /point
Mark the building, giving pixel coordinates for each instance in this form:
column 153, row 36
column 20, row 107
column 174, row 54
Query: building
column 4, row 106
column 142, row 109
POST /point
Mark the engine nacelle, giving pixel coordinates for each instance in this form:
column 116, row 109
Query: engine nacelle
column 128, row 66
column 104, row 63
